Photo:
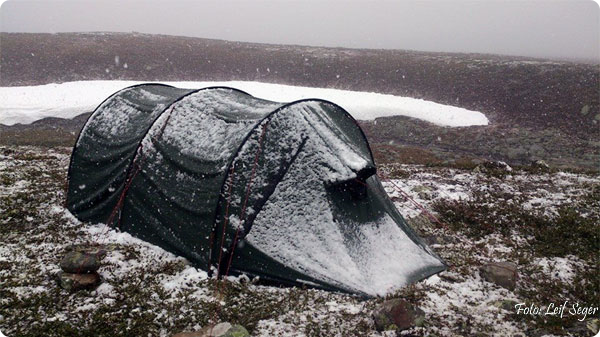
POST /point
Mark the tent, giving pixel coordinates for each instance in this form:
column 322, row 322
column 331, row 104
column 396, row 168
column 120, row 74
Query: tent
column 237, row 184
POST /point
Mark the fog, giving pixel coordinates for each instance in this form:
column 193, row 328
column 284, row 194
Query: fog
column 547, row 29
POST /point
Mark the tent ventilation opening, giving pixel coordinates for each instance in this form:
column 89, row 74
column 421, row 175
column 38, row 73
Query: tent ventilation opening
column 365, row 173
column 356, row 187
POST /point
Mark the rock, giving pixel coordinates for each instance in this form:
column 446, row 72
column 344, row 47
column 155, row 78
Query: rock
column 445, row 239
column 448, row 277
column 189, row 334
column 74, row 282
column 424, row 192
column 581, row 328
column 503, row 274
column 420, row 223
column 585, row 109
column 488, row 166
column 540, row 165
column 228, row 330
column 431, row 240
column 538, row 333
column 224, row 329
column 503, row 166
column 508, row 305
column 80, row 262
column 440, row 239
column 593, row 325
column 397, row 314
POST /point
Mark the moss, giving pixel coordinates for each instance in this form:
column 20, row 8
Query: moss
column 391, row 327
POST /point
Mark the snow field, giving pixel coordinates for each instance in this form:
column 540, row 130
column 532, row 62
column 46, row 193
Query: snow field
column 27, row 104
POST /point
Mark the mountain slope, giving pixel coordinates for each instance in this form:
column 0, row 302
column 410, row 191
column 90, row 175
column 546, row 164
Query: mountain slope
column 517, row 91
column 538, row 109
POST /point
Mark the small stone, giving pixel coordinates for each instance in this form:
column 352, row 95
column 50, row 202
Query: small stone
column 421, row 223
column 585, row 109
column 449, row 278
column 74, row 282
column 236, row 330
column 538, row 333
column 503, row 274
column 189, row 334
column 431, row 240
column 78, row 263
column 508, row 305
column 593, row 325
column 580, row 328
column 397, row 314
column 423, row 192
column 224, row 329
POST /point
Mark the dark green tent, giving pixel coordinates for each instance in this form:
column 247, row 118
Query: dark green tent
column 237, row 184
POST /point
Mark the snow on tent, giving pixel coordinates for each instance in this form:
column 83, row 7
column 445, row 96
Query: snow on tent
column 283, row 191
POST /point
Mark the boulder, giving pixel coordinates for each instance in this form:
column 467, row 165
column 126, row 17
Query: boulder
column 74, row 282
column 80, row 262
column 503, row 274
column 224, row 329
column 397, row 314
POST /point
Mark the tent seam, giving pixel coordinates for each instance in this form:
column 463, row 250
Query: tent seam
column 250, row 132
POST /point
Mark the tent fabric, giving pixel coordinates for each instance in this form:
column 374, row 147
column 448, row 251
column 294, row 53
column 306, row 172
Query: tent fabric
column 237, row 184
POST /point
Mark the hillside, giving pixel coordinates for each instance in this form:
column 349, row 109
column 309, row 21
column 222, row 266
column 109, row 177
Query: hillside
column 550, row 109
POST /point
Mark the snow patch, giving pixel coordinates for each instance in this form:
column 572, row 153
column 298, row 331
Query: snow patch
column 27, row 104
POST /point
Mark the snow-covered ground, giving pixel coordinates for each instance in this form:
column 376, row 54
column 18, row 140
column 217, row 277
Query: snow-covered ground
column 152, row 292
column 66, row 100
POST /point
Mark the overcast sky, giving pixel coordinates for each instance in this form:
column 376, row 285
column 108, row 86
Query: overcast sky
column 552, row 29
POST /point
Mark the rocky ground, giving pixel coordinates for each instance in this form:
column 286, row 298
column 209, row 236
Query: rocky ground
column 516, row 145
column 543, row 221
column 398, row 139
